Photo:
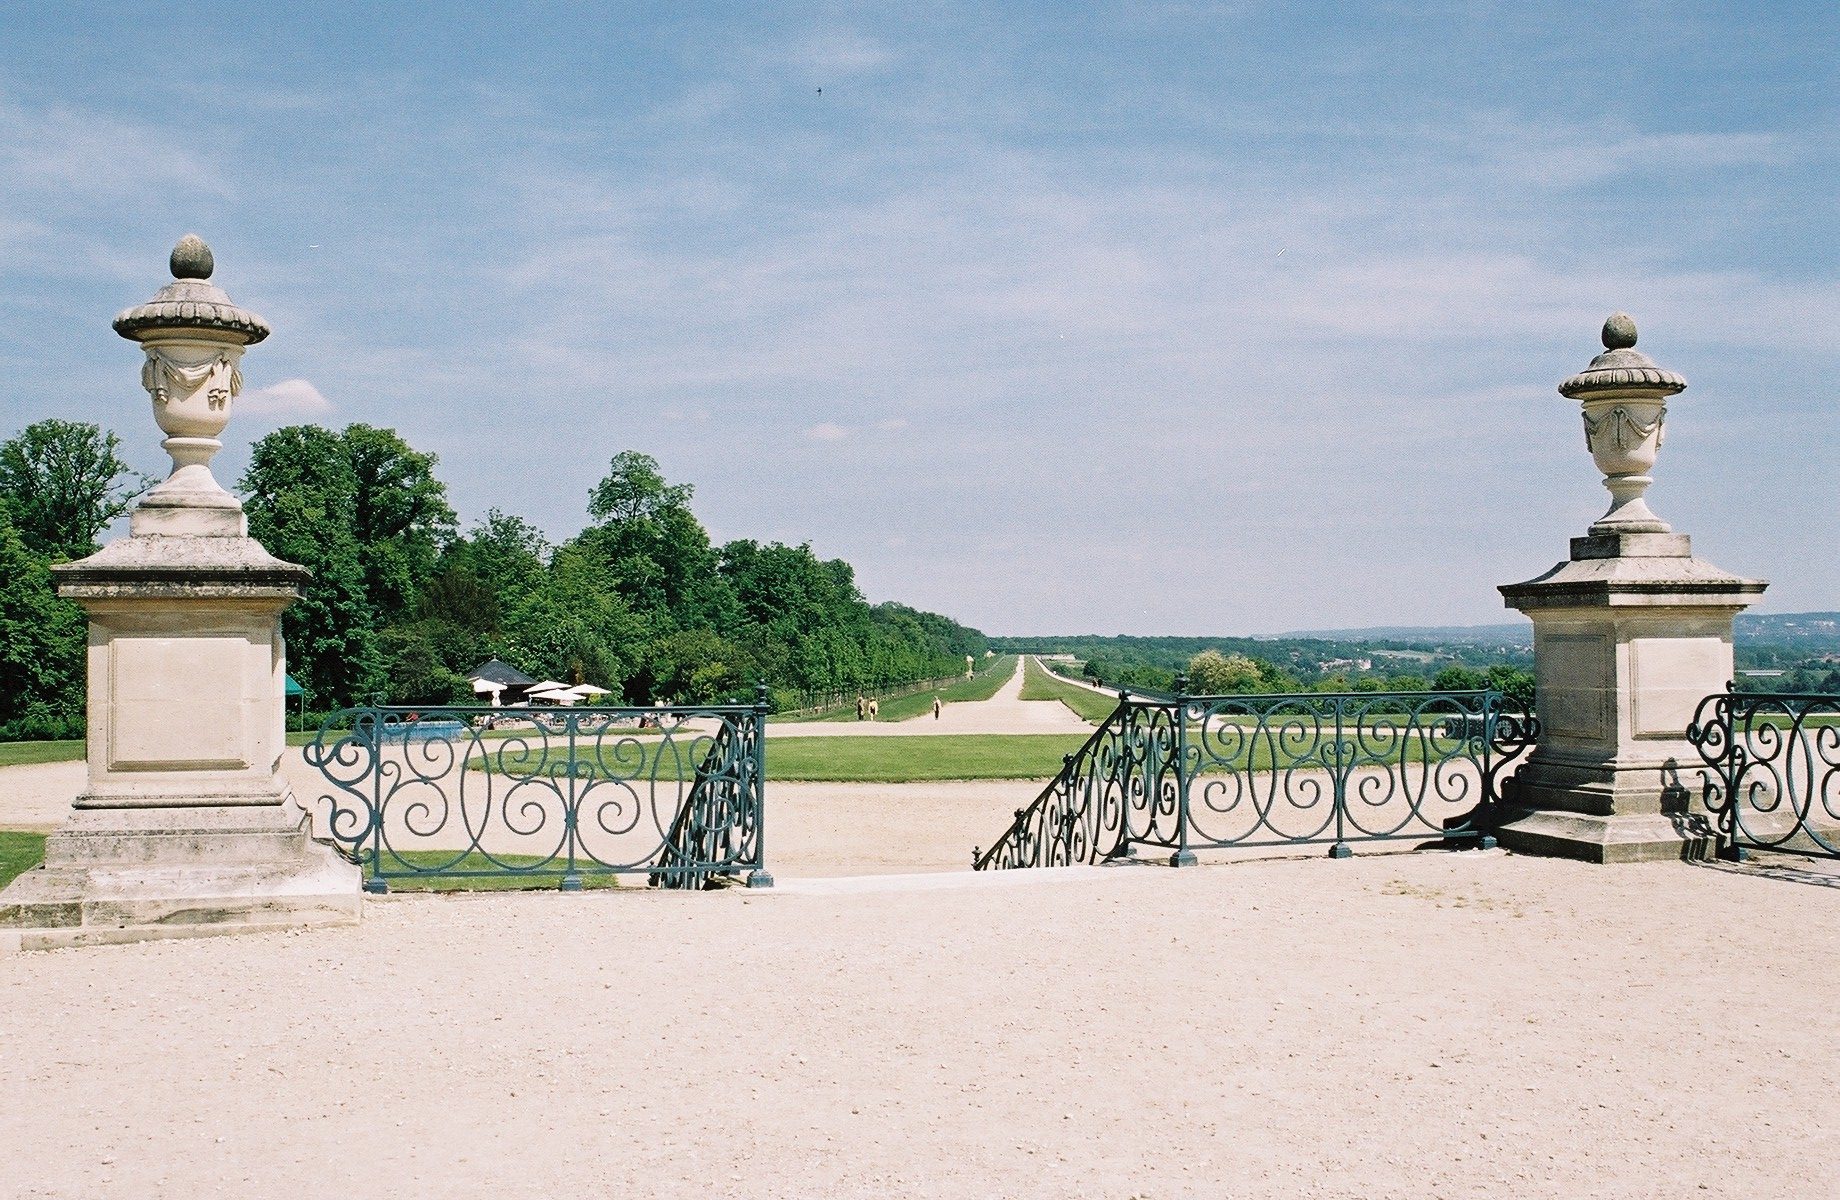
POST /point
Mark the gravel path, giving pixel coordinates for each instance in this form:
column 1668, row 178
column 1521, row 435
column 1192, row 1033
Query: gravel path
column 1426, row 1025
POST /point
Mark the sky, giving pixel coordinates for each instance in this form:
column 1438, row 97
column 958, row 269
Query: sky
column 1208, row 319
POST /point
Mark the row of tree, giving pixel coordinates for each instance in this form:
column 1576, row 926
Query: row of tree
column 402, row 603
column 639, row 601
column 1212, row 673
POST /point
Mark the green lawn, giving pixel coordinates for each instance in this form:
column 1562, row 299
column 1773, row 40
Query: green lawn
column 918, row 759
column 19, row 852
column 1037, row 684
column 475, row 861
column 852, row 759
column 14, row 754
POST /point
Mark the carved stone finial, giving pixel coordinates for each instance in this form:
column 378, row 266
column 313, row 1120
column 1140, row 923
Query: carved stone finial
column 1619, row 331
column 191, row 258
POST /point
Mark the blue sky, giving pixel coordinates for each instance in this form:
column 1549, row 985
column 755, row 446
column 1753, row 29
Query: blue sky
column 1143, row 318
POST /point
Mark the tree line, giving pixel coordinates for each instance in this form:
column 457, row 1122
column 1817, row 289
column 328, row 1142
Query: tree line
column 639, row 600
column 403, row 602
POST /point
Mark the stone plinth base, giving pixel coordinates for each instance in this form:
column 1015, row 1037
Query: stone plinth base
column 1606, row 839
column 126, row 875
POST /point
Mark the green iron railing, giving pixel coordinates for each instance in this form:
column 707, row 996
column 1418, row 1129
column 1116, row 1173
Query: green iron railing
column 1771, row 779
column 558, row 796
column 1184, row 773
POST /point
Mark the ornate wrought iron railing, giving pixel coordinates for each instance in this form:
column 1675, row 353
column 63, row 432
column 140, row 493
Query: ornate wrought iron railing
column 675, row 794
column 1771, row 779
column 1191, row 773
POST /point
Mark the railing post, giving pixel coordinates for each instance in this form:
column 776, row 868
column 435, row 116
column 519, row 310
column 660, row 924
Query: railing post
column 1485, row 812
column 571, row 812
column 1340, row 778
column 376, row 885
column 1183, row 857
column 759, row 876
column 1726, row 821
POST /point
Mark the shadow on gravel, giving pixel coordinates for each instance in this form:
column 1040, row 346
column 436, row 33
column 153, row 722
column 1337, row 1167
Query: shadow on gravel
column 1789, row 869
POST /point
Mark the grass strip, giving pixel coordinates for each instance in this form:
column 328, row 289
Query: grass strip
column 548, row 879
column 1037, row 684
column 19, row 853
column 919, row 759
column 19, row 754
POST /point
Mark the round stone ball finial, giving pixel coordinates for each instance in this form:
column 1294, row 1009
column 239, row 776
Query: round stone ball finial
column 1619, row 331
column 191, row 259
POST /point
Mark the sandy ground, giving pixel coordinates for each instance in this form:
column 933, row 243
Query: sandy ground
column 1418, row 1026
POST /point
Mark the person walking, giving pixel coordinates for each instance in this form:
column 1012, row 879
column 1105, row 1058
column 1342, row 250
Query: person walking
column 862, row 707
column 936, row 707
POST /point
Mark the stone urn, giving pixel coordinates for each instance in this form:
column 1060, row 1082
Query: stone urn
column 1624, row 397
column 194, row 337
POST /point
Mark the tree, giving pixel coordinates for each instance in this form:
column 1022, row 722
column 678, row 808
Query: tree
column 658, row 551
column 62, row 483
column 634, row 490
column 364, row 511
column 300, row 491
column 399, row 515
column 1459, row 678
column 42, row 645
column 506, row 553
column 1211, row 673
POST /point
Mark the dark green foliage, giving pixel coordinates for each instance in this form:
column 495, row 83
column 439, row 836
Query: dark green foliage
column 62, row 482
column 42, row 645
column 1282, row 664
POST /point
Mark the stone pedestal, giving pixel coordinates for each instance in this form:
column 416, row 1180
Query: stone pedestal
column 186, row 826
column 1629, row 636
column 1630, row 633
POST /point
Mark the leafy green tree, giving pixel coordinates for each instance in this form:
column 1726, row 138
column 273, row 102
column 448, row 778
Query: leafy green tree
column 301, row 489
column 416, row 669
column 658, row 551
column 506, row 553
column 1459, row 678
column 399, row 515
column 697, row 665
column 42, row 645
column 1211, row 673
column 364, row 511
column 62, row 483
column 1516, row 683
column 577, row 629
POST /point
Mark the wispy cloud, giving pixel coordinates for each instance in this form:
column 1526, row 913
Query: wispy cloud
column 1249, row 298
column 839, row 53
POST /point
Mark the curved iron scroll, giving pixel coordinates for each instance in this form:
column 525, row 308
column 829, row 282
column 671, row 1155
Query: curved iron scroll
column 474, row 792
column 1209, row 772
column 1772, row 770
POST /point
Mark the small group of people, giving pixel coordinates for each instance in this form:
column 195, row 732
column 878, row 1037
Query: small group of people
column 870, row 709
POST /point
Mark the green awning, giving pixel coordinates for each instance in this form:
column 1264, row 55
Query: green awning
column 293, row 688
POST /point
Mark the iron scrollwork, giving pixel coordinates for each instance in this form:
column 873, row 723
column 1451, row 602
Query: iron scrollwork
column 1215, row 772
column 671, row 793
column 1771, row 778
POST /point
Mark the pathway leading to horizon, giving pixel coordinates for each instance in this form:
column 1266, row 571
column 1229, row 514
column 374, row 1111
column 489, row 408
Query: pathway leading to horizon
column 1005, row 712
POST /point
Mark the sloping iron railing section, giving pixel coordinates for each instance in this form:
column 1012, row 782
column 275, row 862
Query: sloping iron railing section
column 470, row 792
column 718, row 824
column 1187, row 773
column 1084, row 815
column 1771, row 775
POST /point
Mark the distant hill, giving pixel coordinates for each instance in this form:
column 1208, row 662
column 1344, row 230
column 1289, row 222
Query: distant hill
column 1811, row 632
column 1514, row 633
